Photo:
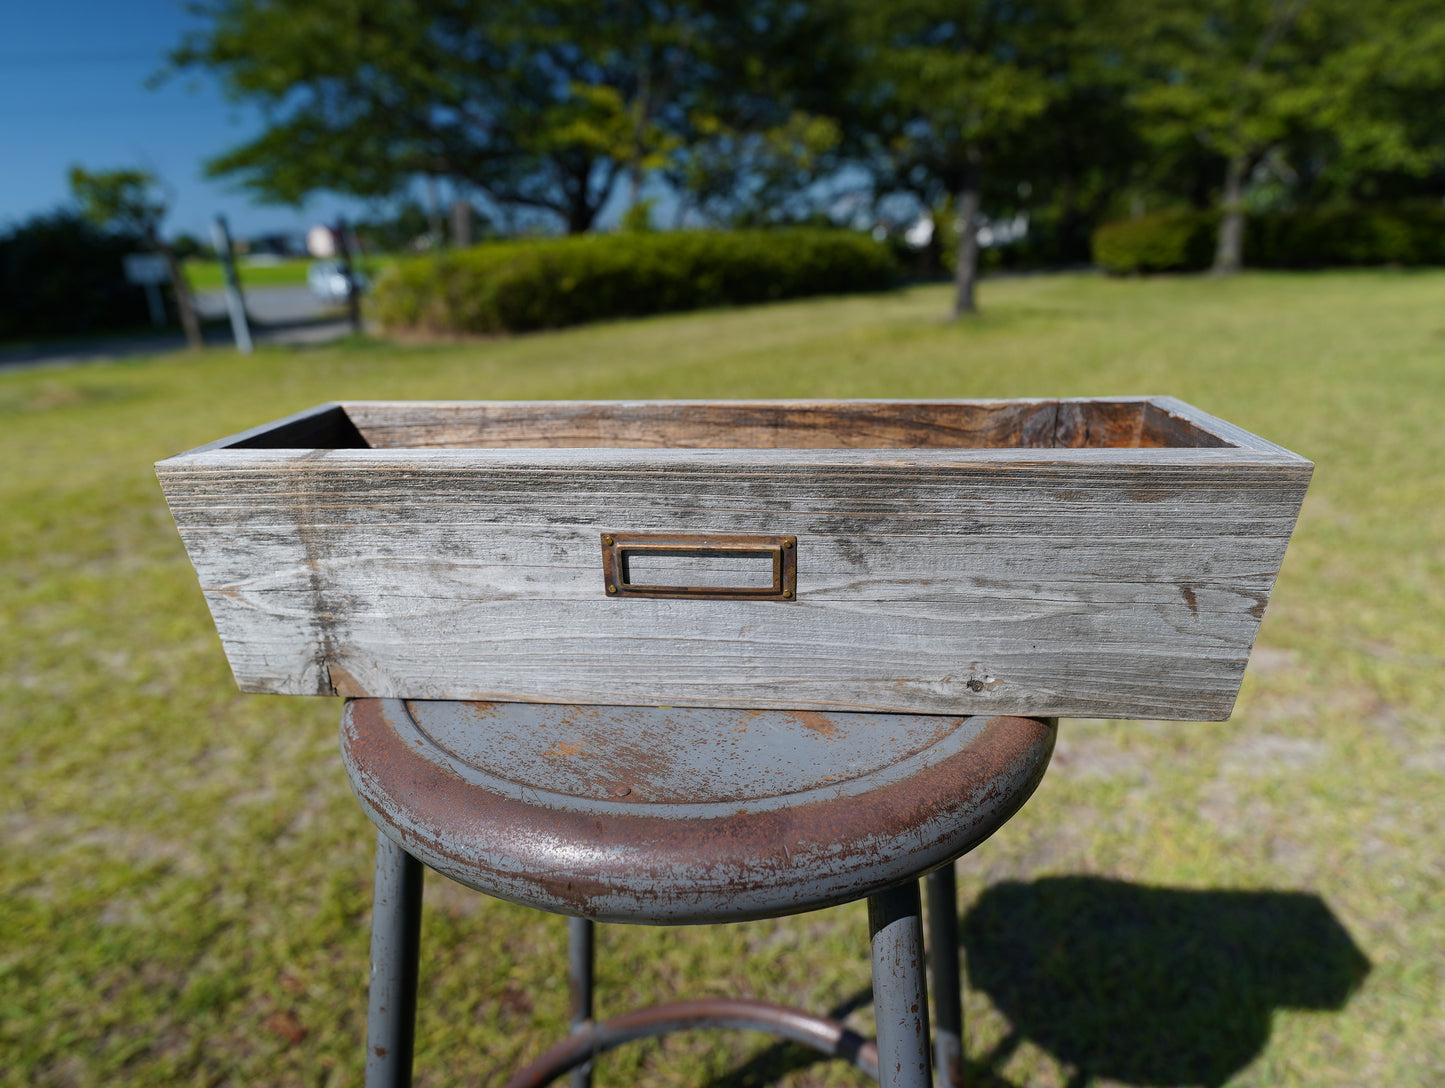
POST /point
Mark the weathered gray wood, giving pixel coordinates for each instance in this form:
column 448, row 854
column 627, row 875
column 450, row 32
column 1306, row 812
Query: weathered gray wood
column 1075, row 581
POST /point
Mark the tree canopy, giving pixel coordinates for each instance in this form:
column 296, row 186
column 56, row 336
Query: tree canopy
column 1067, row 111
column 540, row 104
column 1316, row 83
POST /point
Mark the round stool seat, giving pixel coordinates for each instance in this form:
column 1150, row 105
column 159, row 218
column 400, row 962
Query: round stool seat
column 668, row 815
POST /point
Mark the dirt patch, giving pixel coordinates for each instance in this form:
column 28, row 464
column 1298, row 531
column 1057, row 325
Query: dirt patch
column 1262, row 755
column 1097, row 758
column 1273, row 661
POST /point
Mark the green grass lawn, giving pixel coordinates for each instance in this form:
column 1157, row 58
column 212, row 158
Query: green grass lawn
column 290, row 272
column 185, row 891
column 208, row 276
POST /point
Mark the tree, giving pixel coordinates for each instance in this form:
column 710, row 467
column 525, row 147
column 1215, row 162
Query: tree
column 130, row 201
column 1068, row 168
column 1383, row 132
column 1247, row 80
column 947, row 89
column 538, row 104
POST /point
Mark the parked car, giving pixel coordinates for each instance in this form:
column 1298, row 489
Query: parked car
column 327, row 280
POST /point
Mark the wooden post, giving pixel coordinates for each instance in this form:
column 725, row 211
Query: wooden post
column 185, row 300
column 353, row 296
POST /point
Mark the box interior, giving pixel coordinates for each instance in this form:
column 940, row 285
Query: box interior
column 1094, row 424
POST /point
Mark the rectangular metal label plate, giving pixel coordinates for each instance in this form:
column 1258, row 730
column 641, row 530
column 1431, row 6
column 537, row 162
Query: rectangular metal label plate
column 703, row 566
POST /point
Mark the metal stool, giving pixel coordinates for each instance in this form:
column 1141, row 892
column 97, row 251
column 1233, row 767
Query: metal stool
column 668, row 816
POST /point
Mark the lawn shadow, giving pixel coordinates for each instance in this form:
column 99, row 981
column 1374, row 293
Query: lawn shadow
column 1151, row 986
column 1144, row 986
column 771, row 1064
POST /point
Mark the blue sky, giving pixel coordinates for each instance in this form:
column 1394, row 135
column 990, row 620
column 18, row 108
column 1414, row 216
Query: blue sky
column 73, row 91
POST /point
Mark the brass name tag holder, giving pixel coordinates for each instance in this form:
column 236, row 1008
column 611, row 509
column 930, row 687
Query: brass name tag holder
column 769, row 564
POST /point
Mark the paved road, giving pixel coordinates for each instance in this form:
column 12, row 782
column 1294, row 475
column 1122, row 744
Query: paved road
column 279, row 315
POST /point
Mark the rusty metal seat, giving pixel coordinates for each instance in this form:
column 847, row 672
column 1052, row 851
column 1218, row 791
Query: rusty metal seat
column 685, row 815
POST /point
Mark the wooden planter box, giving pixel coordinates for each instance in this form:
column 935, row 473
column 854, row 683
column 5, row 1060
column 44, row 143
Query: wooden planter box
column 1095, row 558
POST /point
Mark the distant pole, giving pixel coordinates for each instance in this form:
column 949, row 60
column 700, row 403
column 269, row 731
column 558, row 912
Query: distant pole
column 221, row 234
column 157, row 307
column 461, row 223
column 353, row 296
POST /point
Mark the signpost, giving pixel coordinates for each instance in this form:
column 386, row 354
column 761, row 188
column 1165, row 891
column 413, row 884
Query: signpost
column 149, row 270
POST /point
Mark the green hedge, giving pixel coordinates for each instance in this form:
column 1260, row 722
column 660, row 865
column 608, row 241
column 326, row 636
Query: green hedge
column 548, row 283
column 1182, row 241
column 1404, row 234
column 1172, row 241
column 61, row 276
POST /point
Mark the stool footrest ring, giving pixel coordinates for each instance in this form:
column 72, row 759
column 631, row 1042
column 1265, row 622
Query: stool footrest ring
column 816, row 1032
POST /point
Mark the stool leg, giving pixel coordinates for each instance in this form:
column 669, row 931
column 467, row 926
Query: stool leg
column 581, row 954
column 900, row 992
column 942, row 891
column 395, row 948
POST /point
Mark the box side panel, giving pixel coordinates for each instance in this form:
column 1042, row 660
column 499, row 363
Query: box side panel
column 751, row 424
column 721, row 425
column 292, row 659
column 1161, row 428
column 1098, row 425
column 1181, row 424
column 326, row 426
column 1085, row 589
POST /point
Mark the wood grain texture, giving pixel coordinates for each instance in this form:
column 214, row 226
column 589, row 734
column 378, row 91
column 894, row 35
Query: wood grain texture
column 752, row 424
column 1119, row 582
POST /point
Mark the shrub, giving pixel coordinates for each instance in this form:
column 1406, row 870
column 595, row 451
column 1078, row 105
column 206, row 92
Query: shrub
column 1177, row 241
column 549, row 283
column 1402, row 234
column 1169, row 241
column 60, row 275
